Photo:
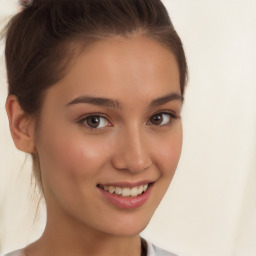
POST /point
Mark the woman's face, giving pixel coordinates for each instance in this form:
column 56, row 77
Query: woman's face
column 108, row 130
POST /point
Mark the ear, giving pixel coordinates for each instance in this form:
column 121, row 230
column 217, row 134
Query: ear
column 22, row 126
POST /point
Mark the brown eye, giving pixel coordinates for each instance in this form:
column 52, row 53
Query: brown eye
column 96, row 121
column 161, row 119
column 157, row 119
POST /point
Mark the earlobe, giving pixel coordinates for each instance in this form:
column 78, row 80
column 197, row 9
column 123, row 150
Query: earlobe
column 21, row 125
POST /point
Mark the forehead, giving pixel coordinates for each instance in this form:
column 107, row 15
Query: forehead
column 119, row 67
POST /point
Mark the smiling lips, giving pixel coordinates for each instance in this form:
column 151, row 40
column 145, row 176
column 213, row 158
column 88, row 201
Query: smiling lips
column 126, row 191
column 126, row 197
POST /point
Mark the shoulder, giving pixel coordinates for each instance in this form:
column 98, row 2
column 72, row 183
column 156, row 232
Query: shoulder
column 151, row 248
column 16, row 253
column 156, row 251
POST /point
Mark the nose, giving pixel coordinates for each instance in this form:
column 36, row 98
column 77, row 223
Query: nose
column 131, row 152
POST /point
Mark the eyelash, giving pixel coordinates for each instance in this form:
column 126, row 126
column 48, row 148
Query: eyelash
column 82, row 121
column 171, row 115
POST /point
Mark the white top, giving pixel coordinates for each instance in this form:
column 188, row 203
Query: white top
column 152, row 251
column 156, row 251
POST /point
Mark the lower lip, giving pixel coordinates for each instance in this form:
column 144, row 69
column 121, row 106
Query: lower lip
column 127, row 202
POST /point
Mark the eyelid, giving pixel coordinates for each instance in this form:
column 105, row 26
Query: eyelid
column 166, row 111
column 82, row 119
column 172, row 115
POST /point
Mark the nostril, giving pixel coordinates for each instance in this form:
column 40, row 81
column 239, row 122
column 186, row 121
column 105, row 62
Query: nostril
column 140, row 164
column 131, row 166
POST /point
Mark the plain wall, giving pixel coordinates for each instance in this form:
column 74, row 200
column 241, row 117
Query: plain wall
column 210, row 208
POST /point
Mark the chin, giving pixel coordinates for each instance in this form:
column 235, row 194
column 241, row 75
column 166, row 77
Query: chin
column 129, row 231
column 128, row 226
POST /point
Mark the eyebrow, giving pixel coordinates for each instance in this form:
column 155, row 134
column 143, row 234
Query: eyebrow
column 96, row 101
column 165, row 99
column 99, row 101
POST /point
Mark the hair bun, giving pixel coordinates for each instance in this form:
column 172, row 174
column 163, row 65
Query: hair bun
column 26, row 3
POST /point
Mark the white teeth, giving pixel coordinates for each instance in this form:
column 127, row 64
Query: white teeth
column 145, row 187
column 125, row 191
column 111, row 189
column 134, row 191
column 140, row 189
column 118, row 190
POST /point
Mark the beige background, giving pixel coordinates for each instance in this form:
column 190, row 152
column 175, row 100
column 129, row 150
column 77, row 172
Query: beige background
column 210, row 208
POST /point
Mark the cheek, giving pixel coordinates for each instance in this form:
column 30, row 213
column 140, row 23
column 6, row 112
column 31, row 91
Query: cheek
column 169, row 151
column 68, row 154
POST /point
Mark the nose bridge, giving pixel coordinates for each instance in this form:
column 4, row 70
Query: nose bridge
column 132, row 152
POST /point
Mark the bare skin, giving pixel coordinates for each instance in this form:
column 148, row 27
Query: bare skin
column 134, row 137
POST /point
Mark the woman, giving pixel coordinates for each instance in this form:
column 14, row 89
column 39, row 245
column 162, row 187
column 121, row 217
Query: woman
column 95, row 95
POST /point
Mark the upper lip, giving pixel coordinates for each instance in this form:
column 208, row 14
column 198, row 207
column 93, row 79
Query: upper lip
column 127, row 184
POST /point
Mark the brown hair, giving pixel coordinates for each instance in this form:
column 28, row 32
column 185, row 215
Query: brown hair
column 46, row 35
